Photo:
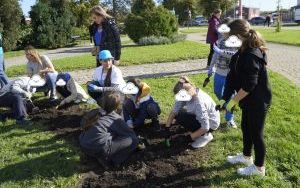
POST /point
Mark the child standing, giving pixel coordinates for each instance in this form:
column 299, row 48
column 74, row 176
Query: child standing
column 140, row 105
column 220, row 67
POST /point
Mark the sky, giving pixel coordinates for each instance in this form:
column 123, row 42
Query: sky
column 264, row 5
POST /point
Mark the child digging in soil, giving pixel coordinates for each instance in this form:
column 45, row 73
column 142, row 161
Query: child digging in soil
column 107, row 77
column 200, row 117
column 106, row 135
column 139, row 104
column 69, row 90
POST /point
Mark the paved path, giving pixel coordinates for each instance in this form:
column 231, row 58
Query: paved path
column 284, row 59
column 151, row 70
column 52, row 54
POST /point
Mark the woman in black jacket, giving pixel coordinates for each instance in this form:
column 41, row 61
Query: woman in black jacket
column 105, row 34
column 249, row 78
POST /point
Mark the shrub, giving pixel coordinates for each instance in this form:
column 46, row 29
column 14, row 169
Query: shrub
column 83, row 32
column 153, row 40
column 157, row 22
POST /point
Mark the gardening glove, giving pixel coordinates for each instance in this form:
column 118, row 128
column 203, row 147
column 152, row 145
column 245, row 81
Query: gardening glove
column 221, row 105
column 217, row 49
column 28, row 95
column 94, row 88
column 232, row 106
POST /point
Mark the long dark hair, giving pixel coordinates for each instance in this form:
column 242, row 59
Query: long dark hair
column 250, row 38
column 107, row 81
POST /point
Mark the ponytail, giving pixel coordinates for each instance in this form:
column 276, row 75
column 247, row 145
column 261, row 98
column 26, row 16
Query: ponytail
column 107, row 81
column 254, row 40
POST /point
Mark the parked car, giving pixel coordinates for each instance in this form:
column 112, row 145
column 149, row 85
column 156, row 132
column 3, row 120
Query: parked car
column 258, row 20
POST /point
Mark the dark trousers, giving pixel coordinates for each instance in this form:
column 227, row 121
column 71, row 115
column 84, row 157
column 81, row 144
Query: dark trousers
column 253, row 120
column 188, row 121
column 95, row 95
column 211, row 53
column 149, row 110
column 121, row 148
column 16, row 103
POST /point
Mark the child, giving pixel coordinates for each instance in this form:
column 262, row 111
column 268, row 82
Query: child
column 220, row 66
column 69, row 90
column 106, row 135
column 249, row 78
column 41, row 65
column 12, row 96
column 140, row 105
column 3, row 77
column 107, row 77
column 200, row 117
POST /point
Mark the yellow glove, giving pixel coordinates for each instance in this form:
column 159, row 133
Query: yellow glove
column 232, row 106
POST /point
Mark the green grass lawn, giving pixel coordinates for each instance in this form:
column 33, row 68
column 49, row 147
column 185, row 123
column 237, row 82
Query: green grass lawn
column 17, row 53
column 201, row 29
column 131, row 55
column 34, row 157
column 291, row 37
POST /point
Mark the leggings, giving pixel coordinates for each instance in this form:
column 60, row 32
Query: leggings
column 211, row 53
column 253, row 120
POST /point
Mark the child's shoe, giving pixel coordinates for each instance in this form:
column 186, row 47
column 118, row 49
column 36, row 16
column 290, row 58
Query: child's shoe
column 251, row 170
column 240, row 158
column 231, row 124
column 202, row 141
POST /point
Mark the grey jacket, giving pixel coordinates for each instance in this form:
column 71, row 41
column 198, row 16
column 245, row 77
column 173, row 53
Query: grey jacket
column 98, row 138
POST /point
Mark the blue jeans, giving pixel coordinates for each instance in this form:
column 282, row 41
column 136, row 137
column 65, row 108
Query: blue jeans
column 219, row 85
column 50, row 83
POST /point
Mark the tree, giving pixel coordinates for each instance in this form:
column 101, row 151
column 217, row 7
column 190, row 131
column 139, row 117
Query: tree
column 117, row 8
column 208, row 6
column 10, row 19
column 148, row 20
column 81, row 10
column 181, row 7
column 52, row 23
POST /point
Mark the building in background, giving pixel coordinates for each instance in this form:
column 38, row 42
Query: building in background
column 248, row 12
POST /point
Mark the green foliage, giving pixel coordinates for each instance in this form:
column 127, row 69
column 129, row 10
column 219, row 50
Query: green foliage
column 83, row 32
column 181, row 7
column 119, row 9
column 140, row 6
column 52, row 23
column 153, row 40
column 81, row 11
column 154, row 21
column 10, row 20
column 208, row 6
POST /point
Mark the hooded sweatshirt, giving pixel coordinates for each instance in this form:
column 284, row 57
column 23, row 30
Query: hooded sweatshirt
column 248, row 71
column 98, row 138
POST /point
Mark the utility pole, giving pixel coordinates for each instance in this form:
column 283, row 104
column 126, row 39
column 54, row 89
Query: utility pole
column 240, row 10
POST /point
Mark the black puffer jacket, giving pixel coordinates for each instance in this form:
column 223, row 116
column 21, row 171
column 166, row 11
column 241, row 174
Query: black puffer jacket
column 248, row 72
column 110, row 37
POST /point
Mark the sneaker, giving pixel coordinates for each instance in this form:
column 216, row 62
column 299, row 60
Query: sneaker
column 251, row 170
column 202, row 141
column 240, row 158
column 231, row 124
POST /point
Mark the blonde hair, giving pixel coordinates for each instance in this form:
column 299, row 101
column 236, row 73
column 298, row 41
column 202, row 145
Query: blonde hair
column 99, row 11
column 183, row 83
column 34, row 53
column 251, row 38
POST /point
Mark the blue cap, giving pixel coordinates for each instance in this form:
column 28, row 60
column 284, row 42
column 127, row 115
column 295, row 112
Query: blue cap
column 105, row 54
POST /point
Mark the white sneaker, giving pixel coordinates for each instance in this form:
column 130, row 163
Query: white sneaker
column 251, row 170
column 202, row 141
column 239, row 158
column 231, row 124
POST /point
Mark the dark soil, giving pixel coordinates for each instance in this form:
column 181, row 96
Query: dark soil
column 156, row 166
